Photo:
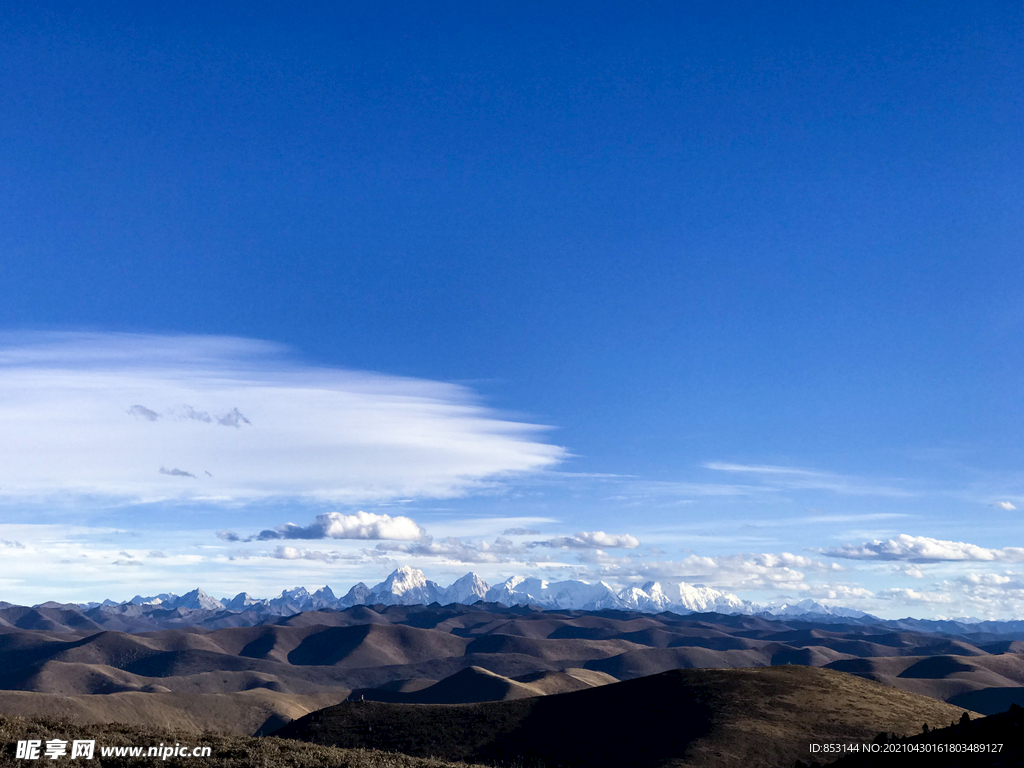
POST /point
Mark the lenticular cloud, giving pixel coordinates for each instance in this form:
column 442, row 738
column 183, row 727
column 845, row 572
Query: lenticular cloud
column 134, row 417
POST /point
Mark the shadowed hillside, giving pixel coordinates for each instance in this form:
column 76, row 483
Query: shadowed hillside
column 711, row 717
column 475, row 684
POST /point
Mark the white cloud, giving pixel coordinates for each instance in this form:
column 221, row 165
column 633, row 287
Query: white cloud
column 1007, row 505
column 988, row 580
column 334, row 525
column 292, row 553
column 921, row 549
column 100, row 415
column 591, row 540
column 914, row 596
column 911, row 571
column 454, row 550
column 838, row 594
column 757, row 571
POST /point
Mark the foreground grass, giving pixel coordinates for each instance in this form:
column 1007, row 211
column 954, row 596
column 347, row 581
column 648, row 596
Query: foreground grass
column 226, row 750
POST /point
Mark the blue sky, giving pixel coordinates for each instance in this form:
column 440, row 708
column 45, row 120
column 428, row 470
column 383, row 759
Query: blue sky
column 741, row 284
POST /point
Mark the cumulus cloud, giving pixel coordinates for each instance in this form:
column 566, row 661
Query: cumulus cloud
column 11, row 544
column 156, row 553
column 1007, row 505
column 361, row 525
column 764, row 571
column 127, row 562
column 591, row 540
column 987, row 579
column 921, row 549
column 985, row 595
column 92, row 415
column 226, row 535
column 910, row 571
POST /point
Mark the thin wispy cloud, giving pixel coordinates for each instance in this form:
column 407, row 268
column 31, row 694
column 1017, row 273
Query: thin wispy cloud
column 797, row 478
column 128, row 417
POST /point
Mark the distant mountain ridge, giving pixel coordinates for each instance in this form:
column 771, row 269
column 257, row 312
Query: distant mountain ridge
column 410, row 586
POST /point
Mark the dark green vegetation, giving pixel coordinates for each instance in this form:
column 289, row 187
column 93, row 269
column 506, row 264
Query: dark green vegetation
column 742, row 718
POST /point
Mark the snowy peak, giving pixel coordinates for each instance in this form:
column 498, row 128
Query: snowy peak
column 564, row 595
column 682, row 597
column 324, row 598
column 467, row 590
column 241, row 601
column 406, row 586
column 162, row 598
column 402, row 580
column 358, row 595
column 197, row 600
column 517, row 590
column 409, row 586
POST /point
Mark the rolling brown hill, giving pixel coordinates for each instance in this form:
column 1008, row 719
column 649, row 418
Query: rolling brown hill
column 475, row 684
column 986, row 684
column 518, row 652
column 747, row 718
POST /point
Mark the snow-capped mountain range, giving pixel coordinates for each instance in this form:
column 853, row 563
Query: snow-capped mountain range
column 409, row 586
